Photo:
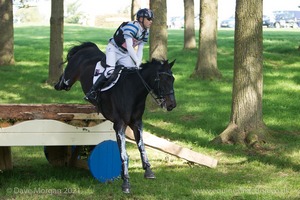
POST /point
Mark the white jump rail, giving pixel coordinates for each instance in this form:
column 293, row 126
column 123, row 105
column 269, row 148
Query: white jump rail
column 46, row 125
column 54, row 133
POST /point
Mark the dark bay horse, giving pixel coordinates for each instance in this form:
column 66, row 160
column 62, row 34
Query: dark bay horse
column 123, row 104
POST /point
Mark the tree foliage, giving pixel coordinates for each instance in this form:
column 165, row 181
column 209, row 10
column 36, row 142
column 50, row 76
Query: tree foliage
column 73, row 15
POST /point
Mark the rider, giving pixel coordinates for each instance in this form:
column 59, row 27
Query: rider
column 120, row 49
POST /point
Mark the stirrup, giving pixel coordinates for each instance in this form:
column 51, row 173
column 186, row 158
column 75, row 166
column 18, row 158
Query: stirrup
column 91, row 97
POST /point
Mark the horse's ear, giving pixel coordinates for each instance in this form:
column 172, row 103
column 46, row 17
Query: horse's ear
column 172, row 63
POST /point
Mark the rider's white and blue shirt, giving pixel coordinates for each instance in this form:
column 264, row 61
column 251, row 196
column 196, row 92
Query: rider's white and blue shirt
column 133, row 30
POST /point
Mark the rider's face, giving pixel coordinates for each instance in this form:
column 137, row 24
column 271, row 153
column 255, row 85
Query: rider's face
column 147, row 22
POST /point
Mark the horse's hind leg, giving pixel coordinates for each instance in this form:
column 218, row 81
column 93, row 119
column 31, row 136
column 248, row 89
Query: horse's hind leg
column 121, row 140
column 138, row 135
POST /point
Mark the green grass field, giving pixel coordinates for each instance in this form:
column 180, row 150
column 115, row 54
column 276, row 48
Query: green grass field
column 202, row 112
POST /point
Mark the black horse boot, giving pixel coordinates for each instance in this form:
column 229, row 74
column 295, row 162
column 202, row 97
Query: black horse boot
column 92, row 95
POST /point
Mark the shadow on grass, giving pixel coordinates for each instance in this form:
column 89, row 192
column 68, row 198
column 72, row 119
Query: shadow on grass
column 276, row 152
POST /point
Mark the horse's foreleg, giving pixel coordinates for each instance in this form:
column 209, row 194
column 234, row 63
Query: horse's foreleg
column 138, row 135
column 121, row 140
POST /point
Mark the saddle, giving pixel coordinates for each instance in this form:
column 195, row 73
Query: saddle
column 113, row 79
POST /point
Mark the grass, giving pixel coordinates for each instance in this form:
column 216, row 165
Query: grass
column 202, row 113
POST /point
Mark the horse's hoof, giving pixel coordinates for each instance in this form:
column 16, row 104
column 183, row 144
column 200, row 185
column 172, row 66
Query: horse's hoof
column 126, row 187
column 149, row 174
column 126, row 190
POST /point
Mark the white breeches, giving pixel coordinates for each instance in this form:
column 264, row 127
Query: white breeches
column 115, row 56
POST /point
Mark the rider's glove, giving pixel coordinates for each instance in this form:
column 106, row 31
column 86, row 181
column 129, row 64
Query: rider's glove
column 138, row 64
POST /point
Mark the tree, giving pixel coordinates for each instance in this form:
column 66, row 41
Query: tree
column 73, row 15
column 158, row 30
column 246, row 123
column 135, row 6
column 6, row 33
column 56, row 40
column 206, row 67
column 189, row 25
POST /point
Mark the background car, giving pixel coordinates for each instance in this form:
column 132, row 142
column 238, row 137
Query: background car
column 176, row 22
column 268, row 21
column 228, row 23
column 287, row 19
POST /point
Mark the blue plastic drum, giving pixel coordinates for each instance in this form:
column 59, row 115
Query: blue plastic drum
column 104, row 161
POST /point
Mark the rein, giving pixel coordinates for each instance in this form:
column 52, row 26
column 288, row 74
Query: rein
column 157, row 100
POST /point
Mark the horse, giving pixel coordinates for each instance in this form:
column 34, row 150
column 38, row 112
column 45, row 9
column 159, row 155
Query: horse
column 124, row 103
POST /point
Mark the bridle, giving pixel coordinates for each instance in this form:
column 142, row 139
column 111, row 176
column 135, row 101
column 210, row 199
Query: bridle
column 160, row 97
column 64, row 83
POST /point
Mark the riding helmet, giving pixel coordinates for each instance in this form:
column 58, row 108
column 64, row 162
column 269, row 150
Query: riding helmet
column 145, row 12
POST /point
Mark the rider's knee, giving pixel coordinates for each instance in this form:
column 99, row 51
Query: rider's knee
column 108, row 71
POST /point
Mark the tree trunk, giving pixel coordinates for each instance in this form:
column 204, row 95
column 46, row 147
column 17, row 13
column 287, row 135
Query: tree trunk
column 206, row 67
column 135, row 6
column 56, row 41
column 246, row 124
column 158, row 30
column 5, row 158
column 189, row 25
column 6, row 33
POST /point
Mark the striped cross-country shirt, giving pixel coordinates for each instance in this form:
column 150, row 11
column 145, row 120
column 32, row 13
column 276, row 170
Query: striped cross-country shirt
column 132, row 30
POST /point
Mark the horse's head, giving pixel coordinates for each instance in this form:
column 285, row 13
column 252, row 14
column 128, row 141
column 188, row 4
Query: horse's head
column 71, row 72
column 69, row 76
column 65, row 81
column 78, row 57
column 164, row 85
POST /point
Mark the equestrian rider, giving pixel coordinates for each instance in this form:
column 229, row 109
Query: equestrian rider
column 120, row 49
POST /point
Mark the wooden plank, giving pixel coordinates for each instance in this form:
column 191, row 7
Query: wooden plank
column 174, row 149
column 47, row 111
column 82, row 116
column 54, row 133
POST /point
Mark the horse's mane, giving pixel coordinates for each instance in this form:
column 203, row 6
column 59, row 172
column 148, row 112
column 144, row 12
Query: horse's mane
column 147, row 65
column 72, row 51
column 154, row 62
column 77, row 48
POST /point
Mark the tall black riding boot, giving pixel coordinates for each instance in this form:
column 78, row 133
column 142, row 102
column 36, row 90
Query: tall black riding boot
column 91, row 96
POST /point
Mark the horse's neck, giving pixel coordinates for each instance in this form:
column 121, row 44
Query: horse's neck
column 142, row 81
column 149, row 75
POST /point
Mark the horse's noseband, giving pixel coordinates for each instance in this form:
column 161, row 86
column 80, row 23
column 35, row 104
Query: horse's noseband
column 160, row 97
column 63, row 84
column 161, row 93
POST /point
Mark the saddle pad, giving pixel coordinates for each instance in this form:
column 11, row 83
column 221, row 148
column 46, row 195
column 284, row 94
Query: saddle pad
column 99, row 69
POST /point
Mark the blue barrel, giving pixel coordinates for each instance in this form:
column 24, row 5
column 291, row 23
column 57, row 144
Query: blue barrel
column 104, row 161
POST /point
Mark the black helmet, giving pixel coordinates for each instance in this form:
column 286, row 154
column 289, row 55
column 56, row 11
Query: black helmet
column 145, row 12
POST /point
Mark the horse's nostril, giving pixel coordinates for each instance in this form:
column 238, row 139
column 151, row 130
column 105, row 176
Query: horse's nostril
column 67, row 88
